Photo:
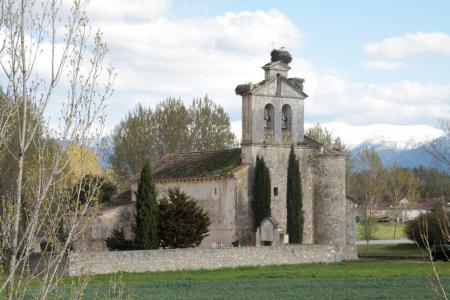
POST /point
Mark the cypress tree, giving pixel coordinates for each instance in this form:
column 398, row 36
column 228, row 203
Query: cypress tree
column 147, row 213
column 261, row 192
column 294, row 200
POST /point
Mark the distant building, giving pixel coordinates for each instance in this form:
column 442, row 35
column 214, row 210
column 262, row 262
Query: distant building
column 406, row 211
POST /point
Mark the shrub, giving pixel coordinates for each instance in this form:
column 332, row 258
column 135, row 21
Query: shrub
column 107, row 191
column 432, row 227
column 46, row 246
column 93, row 188
column 117, row 241
column 182, row 223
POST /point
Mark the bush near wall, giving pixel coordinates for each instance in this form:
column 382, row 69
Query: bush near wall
column 432, row 228
column 182, row 224
column 118, row 242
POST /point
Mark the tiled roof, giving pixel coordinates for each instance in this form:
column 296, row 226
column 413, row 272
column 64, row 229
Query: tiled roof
column 197, row 164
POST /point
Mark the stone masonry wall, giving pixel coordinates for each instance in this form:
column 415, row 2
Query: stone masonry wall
column 276, row 158
column 244, row 213
column 197, row 258
column 350, row 229
column 103, row 224
column 330, row 203
column 218, row 198
column 254, row 107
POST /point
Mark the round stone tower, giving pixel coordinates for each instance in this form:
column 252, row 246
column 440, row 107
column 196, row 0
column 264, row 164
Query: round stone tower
column 330, row 200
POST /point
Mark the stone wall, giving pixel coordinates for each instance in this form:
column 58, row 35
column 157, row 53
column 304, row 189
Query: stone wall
column 330, row 203
column 350, row 226
column 244, row 213
column 349, row 252
column 102, row 225
column 253, row 114
column 276, row 158
column 196, row 258
column 218, row 198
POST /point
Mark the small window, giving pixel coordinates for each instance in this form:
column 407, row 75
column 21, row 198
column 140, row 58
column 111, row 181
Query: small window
column 275, row 191
column 215, row 191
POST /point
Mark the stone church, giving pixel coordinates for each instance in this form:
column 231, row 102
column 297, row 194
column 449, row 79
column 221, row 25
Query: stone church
column 221, row 181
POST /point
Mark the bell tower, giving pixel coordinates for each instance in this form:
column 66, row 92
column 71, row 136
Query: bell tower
column 273, row 109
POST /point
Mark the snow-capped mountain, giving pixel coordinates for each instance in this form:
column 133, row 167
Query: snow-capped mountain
column 401, row 144
column 398, row 137
column 407, row 157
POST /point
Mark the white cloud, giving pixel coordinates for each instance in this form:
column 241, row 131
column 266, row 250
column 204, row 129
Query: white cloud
column 409, row 45
column 187, row 57
column 157, row 56
column 129, row 11
column 402, row 102
column 383, row 64
column 401, row 136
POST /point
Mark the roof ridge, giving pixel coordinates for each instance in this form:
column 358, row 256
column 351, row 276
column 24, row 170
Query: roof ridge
column 205, row 151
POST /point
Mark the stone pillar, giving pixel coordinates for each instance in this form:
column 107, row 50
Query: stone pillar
column 350, row 223
column 330, row 200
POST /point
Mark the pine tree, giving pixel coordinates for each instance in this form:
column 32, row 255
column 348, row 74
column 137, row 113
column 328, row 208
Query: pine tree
column 294, row 200
column 182, row 223
column 147, row 214
column 261, row 192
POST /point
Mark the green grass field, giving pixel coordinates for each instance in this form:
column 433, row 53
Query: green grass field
column 383, row 231
column 348, row 280
column 395, row 250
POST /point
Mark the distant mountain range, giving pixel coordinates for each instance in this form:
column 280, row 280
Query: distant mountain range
column 389, row 153
column 404, row 145
column 407, row 157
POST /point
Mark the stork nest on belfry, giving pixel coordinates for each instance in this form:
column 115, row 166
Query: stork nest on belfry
column 242, row 89
column 281, row 55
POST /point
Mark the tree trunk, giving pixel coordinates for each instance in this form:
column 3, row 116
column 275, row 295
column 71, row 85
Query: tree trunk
column 22, row 143
column 396, row 220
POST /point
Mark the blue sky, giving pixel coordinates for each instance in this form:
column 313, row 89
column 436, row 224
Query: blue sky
column 336, row 31
column 365, row 62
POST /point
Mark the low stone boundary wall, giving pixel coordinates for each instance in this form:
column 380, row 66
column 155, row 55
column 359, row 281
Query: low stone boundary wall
column 197, row 258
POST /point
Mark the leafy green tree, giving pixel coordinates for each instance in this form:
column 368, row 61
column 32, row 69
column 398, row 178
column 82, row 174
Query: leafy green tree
column 261, row 192
column 93, row 189
column 133, row 143
column 294, row 198
column 433, row 182
column 147, row 215
column 325, row 137
column 171, row 127
column 108, row 190
column 9, row 145
column 210, row 126
column 82, row 160
column 147, row 135
column 182, row 223
column 429, row 229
